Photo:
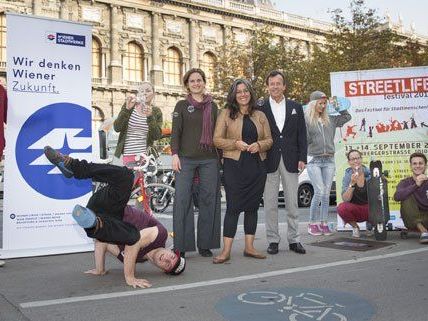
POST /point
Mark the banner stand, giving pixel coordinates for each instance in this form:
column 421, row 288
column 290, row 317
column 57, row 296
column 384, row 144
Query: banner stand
column 49, row 92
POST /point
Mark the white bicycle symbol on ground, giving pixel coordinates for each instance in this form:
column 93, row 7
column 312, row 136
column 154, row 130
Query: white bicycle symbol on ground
column 304, row 306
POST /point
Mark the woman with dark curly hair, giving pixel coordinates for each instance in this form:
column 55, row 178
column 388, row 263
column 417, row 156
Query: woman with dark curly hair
column 243, row 133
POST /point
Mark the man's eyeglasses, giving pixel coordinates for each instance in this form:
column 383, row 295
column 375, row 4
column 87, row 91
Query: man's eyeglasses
column 354, row 159
column 418, row 163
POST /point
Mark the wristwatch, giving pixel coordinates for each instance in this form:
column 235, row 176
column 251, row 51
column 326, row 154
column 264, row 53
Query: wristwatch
column 352, row 185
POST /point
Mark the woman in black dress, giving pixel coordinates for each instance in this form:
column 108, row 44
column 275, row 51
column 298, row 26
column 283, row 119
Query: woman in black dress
column 243, row 133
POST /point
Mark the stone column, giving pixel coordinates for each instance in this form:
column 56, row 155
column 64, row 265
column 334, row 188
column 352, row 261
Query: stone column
column 156, row 73
column 37, row 7
column 63, row 12
column 227, row 35
column 115, row 67
column 193, row 35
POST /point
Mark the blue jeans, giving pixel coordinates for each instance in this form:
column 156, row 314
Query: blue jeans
column 321, row 171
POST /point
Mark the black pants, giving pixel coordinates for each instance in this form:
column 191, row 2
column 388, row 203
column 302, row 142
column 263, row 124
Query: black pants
column 230, row 223
column 109, row 202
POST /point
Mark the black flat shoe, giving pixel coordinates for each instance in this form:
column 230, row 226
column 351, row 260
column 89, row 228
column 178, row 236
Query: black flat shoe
column 272, row 248
column 297, row 247
column 205, row 252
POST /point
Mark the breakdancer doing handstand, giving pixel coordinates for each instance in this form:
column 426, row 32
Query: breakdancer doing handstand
column 118, row 228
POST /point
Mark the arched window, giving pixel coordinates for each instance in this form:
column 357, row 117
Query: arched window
column 96, row 58
column 172, row 67
column 97, row 117
column 208, row 66
column 133, row 61
column 2, row 38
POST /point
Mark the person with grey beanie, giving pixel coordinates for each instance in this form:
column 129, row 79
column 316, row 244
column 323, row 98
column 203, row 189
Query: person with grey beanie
column 321, row 129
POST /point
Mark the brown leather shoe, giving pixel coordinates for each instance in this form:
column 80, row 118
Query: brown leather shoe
column 219, row 260
column 256, row 255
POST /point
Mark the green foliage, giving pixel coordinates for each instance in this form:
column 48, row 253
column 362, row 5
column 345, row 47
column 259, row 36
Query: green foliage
column 263, row 53
column 362, row 42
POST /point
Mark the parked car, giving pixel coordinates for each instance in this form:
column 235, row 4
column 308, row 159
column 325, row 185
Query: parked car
column 305, row 192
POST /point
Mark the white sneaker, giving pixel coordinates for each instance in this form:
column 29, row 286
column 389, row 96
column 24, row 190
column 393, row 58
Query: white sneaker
column 424, row 238
column 355, row 232
column 2, row 262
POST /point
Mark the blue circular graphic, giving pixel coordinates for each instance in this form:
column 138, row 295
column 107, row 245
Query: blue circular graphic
column 67, row 128
column 295, row 304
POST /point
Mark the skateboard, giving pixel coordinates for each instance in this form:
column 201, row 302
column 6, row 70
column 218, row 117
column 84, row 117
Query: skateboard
column 337, row 104
column 377, row 190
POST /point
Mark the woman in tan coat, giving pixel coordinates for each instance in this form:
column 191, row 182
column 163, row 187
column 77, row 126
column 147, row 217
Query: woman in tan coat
column 243, row 133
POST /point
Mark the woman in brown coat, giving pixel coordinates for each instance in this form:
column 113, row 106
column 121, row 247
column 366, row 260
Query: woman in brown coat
column 243, row 133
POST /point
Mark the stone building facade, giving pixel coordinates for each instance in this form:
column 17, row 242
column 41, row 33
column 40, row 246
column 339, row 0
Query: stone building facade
column 158, row 40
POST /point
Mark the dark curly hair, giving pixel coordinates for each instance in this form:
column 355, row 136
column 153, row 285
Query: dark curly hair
column 231, row 102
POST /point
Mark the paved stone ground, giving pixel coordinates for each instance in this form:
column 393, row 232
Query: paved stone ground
column 387, row 284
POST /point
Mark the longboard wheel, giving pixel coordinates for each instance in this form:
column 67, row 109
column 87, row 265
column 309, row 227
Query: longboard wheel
column 375, row 172
column 380, row 232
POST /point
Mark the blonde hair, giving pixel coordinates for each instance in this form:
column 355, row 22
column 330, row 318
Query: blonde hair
column 312, row 115
column 143, row 84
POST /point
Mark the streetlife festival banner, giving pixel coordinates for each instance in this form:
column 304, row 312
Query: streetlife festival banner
column 389, row 109
column 49, row 89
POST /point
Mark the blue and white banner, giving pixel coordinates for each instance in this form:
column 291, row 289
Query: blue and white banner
column 49, row 91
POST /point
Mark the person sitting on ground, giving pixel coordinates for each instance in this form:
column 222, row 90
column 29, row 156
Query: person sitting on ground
column 120, row 229
column 412, row 193
column 355, row 207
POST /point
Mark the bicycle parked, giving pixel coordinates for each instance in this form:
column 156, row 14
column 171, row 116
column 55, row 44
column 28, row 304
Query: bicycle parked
column 150, row 191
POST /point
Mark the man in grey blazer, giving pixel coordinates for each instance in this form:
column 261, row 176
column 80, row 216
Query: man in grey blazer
column 285, row 160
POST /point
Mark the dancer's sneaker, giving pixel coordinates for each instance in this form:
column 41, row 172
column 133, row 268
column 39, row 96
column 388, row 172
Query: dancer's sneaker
column 59, row 160
column 84, row 216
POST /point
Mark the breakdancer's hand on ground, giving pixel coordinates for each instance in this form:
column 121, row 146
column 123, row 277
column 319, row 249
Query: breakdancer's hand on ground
column 140, row 283
column 96, row 272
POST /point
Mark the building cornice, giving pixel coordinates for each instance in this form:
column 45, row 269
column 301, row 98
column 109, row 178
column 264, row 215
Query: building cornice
column 205, row 7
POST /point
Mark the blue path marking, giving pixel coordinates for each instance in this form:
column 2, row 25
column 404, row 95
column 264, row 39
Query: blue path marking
column 295, row 304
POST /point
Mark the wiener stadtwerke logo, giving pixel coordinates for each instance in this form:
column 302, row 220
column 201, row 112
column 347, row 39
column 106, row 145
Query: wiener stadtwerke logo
column 67, row 39
column 65, row 127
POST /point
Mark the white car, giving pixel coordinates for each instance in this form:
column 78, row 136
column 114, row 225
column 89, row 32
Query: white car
column 305, row 191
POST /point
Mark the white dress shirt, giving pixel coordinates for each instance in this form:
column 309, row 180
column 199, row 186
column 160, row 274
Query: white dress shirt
column 278, row 110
